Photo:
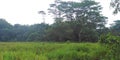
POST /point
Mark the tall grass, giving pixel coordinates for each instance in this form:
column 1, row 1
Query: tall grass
column 52, row 51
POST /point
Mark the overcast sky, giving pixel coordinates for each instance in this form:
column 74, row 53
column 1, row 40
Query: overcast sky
column 26, row 11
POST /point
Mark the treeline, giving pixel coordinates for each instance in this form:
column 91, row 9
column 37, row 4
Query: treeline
column 74, row 21
column 19, row 32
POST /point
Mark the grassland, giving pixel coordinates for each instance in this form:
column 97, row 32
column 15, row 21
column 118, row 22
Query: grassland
column 51, row 51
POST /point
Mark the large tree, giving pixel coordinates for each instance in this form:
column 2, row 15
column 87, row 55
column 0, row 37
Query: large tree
column 84, row 17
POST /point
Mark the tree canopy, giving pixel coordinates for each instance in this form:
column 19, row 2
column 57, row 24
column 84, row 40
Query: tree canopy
column 116, row 5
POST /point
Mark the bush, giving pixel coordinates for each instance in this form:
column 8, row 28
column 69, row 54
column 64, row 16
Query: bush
column 113, row 43
column 109, row 39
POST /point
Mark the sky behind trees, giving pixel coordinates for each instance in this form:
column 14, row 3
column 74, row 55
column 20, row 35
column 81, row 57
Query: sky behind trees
column 26, row 11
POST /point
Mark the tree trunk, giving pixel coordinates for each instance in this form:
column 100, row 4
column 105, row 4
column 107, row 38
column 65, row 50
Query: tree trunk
column 79, row 37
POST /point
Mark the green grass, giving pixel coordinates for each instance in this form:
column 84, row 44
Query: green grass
column 51, row 51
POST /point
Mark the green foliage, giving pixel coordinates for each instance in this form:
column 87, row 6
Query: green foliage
column 59, row 31
column 4, row 24
column 78, row 52
column 5, row 30
column 113, row 44
column 58, row 51
column 109, row 39
column 19, row 32
column 115, row 4
column 115, row 28
column 83, row 19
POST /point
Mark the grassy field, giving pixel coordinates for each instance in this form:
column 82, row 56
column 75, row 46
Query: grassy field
column 51, row 51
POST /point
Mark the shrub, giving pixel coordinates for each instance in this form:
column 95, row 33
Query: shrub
column 113, row 43
column 109, row 39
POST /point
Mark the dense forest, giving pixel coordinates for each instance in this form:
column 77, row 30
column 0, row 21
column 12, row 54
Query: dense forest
column 74, row 21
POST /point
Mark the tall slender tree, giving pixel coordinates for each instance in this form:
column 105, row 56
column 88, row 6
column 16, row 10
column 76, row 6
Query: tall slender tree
column 43, row 15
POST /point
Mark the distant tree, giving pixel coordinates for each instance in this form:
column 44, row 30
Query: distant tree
column 43, row 15
column 20, row 32
column 60, row 32
column 37, row 32
column 5, row 30
column 115, row 27
column 4, row 24
column 54, row 9
column 17, row 32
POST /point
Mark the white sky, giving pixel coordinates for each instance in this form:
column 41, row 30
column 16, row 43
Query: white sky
column 26, row 11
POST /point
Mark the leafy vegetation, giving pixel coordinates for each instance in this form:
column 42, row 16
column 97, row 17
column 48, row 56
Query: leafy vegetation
column 113, row 44
column 52, row 51
column 116, row 5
